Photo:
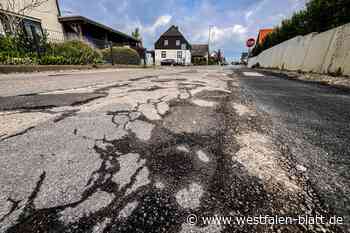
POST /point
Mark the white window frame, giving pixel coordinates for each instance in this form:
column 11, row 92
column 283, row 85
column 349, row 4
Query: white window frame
column 2, row 29
column 166, row 42
column 163, row 54
column 179, row 54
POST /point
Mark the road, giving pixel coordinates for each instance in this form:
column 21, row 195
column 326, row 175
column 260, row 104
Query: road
column 164, row 150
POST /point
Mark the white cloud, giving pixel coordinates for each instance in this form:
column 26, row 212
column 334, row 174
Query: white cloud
column 162, row 21
column 248, row 14
column 228, row 34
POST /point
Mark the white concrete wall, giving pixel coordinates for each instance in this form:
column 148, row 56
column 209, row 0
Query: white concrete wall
column 325, row 52
column 172, row 54
column 317, row 52
column 47, row 13
column 299, row 47
column 278, row 54
column 338, row 56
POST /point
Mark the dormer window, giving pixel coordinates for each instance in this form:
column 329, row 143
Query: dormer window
column 166, row 42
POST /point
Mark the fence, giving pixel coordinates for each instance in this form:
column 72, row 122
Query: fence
column 326, row 52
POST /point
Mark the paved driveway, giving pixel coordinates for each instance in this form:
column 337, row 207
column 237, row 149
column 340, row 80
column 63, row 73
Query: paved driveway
column 170, row 151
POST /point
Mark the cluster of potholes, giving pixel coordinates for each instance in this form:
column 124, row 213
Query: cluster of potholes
column 172, row 159
column 176, row 160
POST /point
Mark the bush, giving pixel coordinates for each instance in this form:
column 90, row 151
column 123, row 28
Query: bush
column 52, row 60
column 199, row 61
column 73, row 53
column 18, row 50
column 122, row 55
column 6, row 59
column 213, row 61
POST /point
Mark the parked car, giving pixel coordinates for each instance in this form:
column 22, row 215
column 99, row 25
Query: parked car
column 168, row 62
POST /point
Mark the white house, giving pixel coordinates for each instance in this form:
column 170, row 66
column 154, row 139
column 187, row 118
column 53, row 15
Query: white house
column 173, row 45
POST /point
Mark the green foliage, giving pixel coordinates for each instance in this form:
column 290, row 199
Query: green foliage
column 52, row 60
column 7, row 44
column 136, row 34
column 199, row 61
column 213, row 61
column 16, row 59
column 318, row 16
column 122, row 55
column 74, row 53
column 19, row 50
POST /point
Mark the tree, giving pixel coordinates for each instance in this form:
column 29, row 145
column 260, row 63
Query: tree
column 318, row 16
column 11, row 12
column 218, row 56
column 136, row 34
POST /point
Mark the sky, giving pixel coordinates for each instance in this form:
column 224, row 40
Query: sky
column 232, row 21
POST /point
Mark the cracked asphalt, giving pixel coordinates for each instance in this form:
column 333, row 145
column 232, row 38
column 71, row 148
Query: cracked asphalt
column 141, row 150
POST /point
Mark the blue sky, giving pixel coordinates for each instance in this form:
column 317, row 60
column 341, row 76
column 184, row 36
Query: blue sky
column 233, row 21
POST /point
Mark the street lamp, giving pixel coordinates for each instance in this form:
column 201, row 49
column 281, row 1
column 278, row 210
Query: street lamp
column 209, row 38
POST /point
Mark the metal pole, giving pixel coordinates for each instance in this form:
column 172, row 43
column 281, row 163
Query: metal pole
column 111, row 50
column 210, row 26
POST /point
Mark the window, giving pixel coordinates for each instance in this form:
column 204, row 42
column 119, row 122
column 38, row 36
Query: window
column 166, row 42
column 2, row 29
column 178, row 42
column 163, row 54
column 32, row 28
column 179, row 54
column 183, row 46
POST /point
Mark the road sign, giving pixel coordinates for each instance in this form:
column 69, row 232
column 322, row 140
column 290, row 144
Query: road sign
column 250, row 42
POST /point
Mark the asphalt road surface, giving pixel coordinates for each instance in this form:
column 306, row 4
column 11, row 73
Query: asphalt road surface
column 172, row 150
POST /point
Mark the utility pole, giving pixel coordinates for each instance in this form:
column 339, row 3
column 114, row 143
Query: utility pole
column 209, row 38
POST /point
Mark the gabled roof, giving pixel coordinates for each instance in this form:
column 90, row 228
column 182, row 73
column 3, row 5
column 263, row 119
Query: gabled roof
column 89, row 21
column 172, row 31
column 263, row 33
column 200, row 50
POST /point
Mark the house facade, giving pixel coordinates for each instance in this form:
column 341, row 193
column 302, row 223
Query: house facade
column 200, row 54
column 38, row 17
column 45, row 17
column 173, row 45
column 263, row 33
column 96, row 34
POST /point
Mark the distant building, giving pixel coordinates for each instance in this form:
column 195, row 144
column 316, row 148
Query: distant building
column 173, row 45
column 200, row 53
column 244, row 58
column 150, row 57
column 263, row 33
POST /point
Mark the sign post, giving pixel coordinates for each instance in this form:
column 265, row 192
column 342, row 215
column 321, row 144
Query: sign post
column 250, row 43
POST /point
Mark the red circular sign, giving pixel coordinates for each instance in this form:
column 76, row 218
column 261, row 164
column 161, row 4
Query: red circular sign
column 250, row 42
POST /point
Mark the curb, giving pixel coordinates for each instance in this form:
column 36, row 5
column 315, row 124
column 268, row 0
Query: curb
column 8, row 69
column 284, row 75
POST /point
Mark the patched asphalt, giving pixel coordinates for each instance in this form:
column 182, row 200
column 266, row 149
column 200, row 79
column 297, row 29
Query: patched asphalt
column 153, row 150
column 314, row 122
column 32, row 102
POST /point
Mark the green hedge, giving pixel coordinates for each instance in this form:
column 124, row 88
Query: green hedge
column 199, row 61
column 72, row 53
column 19, row 51
column 122, row 55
